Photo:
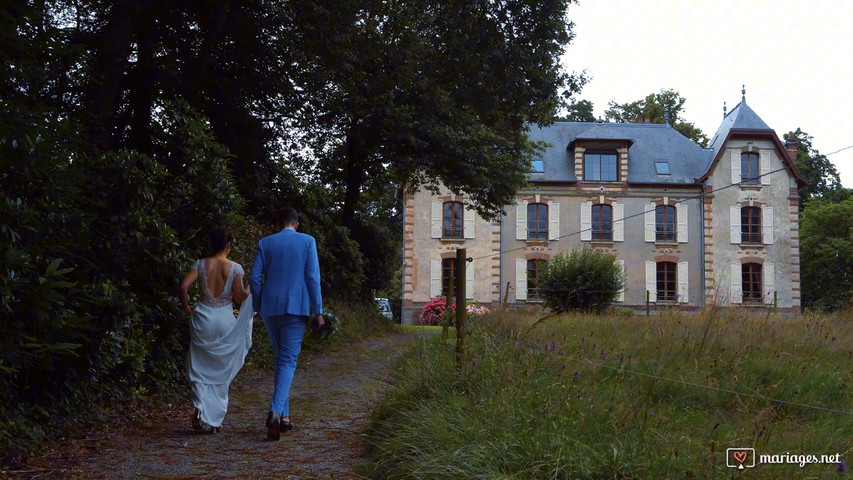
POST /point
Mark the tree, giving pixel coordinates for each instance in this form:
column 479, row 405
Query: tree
column 582, row 280
column 825, row 181
column 663, row 107
column 826, row 246
column 421, row 92
column 579, row 111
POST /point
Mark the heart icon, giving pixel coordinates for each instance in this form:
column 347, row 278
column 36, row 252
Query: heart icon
column 740, row 456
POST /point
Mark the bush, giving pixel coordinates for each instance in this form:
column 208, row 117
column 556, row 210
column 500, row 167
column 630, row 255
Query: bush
column 435, row 310
column 582, row 280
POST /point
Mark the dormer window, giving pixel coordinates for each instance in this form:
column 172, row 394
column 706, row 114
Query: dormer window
column 601, row 166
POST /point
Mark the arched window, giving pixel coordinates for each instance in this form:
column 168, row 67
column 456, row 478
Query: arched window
column 750, row 225
column 751, row 277
column 448, row 275
column 535, row 268
column 666, row 282
column 749, row 168
column 665, row 223
column 452, row 220
column 602, row 222
column 537, row 221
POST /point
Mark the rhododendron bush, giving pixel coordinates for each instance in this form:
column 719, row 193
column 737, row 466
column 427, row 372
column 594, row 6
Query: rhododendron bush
column 435, row 309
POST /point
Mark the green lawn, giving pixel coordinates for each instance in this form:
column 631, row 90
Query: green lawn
column 622, row 397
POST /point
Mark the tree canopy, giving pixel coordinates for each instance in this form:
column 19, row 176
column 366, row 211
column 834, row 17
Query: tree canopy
column 663, row 107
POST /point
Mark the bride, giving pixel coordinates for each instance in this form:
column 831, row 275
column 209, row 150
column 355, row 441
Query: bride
column 219, row 340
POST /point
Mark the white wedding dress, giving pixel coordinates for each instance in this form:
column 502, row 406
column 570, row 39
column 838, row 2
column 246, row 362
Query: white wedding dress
column 218, row 347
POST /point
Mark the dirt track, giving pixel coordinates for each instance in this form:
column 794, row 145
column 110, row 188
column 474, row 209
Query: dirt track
column 330, row 400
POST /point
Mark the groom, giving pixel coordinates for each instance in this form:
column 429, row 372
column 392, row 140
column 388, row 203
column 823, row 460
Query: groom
column 285, row 286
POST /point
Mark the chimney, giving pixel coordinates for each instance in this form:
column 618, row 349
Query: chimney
column 791, row 146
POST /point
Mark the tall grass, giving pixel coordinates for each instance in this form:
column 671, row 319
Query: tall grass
column 620, row 397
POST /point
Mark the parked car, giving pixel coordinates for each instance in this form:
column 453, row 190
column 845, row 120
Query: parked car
column 384, row 307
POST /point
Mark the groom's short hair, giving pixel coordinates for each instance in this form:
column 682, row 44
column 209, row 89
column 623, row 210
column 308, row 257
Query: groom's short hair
column 286, row 217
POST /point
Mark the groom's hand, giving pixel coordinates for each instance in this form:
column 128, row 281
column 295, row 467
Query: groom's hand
column 319, row 321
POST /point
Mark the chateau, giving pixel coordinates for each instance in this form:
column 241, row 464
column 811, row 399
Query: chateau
column 689, row 226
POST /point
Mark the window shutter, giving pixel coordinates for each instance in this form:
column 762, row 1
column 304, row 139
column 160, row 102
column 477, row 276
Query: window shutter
column 767, row 225
column 469, row 280
column 651, row 281
column 649, row 218
column 586, row 221
column 470, row 220
column 683, row 284
column 769, row 282
column 736, row 166
column 621, row 296
column 520, row 279
column 435, row 220
column 554, row 221
column 764, row 167
column 734, row 220
column 521, row 221
column 618, row 222
column 435, row 278
column 681, row 213
column 736, row 284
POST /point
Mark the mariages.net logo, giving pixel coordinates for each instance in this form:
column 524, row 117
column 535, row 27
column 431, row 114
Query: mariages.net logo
column 742, row 458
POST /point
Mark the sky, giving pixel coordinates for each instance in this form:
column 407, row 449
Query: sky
column 794, row 58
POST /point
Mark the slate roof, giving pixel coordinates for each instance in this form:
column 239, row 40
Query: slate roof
column 648, row 142
column 740, row 118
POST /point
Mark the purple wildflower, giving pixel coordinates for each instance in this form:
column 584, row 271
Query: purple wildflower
column 603, row 355
column 474, row 362
column 842, row 468
column 651, row 414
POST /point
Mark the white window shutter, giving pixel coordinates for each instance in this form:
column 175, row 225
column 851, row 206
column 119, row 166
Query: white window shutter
column 651, row 281
column 520, row 279
column 649, row 219
column 764, row 167
column 681, row 213
column 683, row 284
column 736, row 290
column 621, row 297
column 435, row 220
column 435, row 278
column 618, row 222
column 736, row 166
column 470, row 220
column 554, row 221
column 734, row 222
column 767, row 225
column 469, row 280
column 586, row 221
column 521, row 221
column 769, row 282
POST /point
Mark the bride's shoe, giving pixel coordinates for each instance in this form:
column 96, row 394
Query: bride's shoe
column 198, row 426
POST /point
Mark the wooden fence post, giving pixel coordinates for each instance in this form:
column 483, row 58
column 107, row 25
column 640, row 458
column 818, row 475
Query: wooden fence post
column 461, row 311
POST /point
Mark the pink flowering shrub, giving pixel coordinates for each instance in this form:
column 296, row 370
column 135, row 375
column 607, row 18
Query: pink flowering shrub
column 434, row 310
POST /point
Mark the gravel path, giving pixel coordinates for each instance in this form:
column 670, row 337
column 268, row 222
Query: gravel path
column 330, row 399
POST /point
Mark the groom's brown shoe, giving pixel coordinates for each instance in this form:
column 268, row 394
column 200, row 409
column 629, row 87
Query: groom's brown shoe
column 273, row 430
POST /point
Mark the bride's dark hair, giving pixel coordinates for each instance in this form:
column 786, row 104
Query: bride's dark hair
column 219, row 238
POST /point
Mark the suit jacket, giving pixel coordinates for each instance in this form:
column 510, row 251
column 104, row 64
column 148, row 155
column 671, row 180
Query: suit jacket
column 285, row 277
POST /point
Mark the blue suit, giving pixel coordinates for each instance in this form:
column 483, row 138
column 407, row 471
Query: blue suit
column 285, row 286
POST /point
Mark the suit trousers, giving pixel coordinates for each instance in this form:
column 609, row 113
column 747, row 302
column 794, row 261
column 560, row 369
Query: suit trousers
column 286, row 333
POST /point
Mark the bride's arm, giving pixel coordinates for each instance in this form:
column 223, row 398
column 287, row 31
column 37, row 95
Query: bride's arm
column 188, row 280
column 239, row 291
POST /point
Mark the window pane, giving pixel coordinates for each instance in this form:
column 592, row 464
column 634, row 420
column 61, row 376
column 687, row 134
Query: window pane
column 448, row 275
column 665, row 223
column 666, row 281
column 751, row 276
column 749, row 168
column 750, row 224
column 601, row 222
column 537, row 221
column 452, row 220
